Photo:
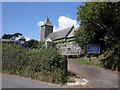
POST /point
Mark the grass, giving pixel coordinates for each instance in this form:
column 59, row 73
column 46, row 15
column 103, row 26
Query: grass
column 100, row 62
column 93, row 61
column 84, row 61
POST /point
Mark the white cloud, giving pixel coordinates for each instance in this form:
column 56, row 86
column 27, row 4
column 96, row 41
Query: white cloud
column 65, row 22
column 40, row 23
column 27, row 39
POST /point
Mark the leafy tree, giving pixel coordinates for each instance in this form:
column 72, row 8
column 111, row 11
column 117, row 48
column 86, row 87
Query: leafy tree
column 11, row 36
column 34, row 44
column 6, row 36
column 100, row 23
column 16, row 35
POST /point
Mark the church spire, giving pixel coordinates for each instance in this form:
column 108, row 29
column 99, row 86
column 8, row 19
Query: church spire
column 47, row 22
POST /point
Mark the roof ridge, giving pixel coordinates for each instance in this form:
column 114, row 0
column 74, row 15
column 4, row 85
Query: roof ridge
column 63, row 29
column 60, row 31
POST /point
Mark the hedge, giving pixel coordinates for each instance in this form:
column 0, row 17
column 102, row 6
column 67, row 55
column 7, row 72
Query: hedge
column 44, row 64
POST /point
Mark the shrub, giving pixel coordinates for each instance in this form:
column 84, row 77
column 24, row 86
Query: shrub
column 41, row 64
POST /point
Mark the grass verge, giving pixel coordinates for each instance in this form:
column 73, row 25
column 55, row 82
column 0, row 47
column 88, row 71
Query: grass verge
column 92, row 62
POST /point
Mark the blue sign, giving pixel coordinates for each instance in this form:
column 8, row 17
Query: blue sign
column 93, row 49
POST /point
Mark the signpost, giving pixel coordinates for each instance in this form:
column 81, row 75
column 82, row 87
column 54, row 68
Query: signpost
column 93, row 49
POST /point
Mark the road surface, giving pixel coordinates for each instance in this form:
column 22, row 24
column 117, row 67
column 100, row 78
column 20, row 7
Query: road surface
column 16, row 82
column 97, row 78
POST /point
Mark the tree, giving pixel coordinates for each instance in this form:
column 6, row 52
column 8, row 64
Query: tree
column 6, row 36
column 34, row 44
column 16, row 35
column 11, row 36
column 100, row 23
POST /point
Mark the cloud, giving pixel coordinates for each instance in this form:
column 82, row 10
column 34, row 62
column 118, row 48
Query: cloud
column 65, row 22
column 27, row 39
column 40, row 23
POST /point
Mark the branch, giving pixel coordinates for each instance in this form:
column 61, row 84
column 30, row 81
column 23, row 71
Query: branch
column 103, row 26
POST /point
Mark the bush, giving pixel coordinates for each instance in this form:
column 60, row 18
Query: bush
column 45, row 65
column 112, row 62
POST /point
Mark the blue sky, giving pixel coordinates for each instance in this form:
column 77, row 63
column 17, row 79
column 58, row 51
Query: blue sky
column 26, row 17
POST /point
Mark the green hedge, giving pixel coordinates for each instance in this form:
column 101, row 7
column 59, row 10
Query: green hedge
column 44, row 65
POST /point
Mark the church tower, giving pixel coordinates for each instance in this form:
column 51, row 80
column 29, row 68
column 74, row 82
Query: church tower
column 46, row 29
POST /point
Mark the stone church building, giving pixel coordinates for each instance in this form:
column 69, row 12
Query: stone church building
column 63, row 39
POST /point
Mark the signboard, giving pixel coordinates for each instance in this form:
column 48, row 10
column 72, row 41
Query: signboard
column 93, row 49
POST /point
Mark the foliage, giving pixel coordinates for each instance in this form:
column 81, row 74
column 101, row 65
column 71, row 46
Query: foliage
column 34, row 44
column 11, row 36
column 44, row 65
column 82, row 37
column 112, row 61
column 62, row 41
column 98, row 26
column 40, row 45
column 100, row 23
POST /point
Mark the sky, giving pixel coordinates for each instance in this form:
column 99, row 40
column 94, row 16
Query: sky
column 27, row 17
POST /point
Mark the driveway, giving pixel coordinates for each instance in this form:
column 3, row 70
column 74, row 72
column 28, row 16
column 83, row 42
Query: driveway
column 97, row 78
column 18, row 82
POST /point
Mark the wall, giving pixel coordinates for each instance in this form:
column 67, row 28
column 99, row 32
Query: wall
column 45, row 31
column 69, row 48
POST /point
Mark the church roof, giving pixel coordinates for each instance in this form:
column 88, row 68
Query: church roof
column 72, row 32
column 47, row 22
column 60, row 34
column 48, row 40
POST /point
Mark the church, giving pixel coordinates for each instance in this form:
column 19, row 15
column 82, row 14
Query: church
column 63, row 39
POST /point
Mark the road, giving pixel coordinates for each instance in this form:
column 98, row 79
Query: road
column 17, row 82
column 97, row 78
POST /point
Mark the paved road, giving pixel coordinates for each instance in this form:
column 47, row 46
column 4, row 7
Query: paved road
column 98, row 78
column 16, row 82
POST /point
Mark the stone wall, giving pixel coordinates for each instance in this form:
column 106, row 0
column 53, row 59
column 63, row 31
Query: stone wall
column 45, row 31
column 69, row 48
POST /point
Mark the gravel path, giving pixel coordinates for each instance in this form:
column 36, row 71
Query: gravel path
column 97, row 78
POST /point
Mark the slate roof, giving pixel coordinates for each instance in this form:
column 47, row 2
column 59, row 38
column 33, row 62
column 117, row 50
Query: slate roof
column 62, row 34
column 72, row 32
